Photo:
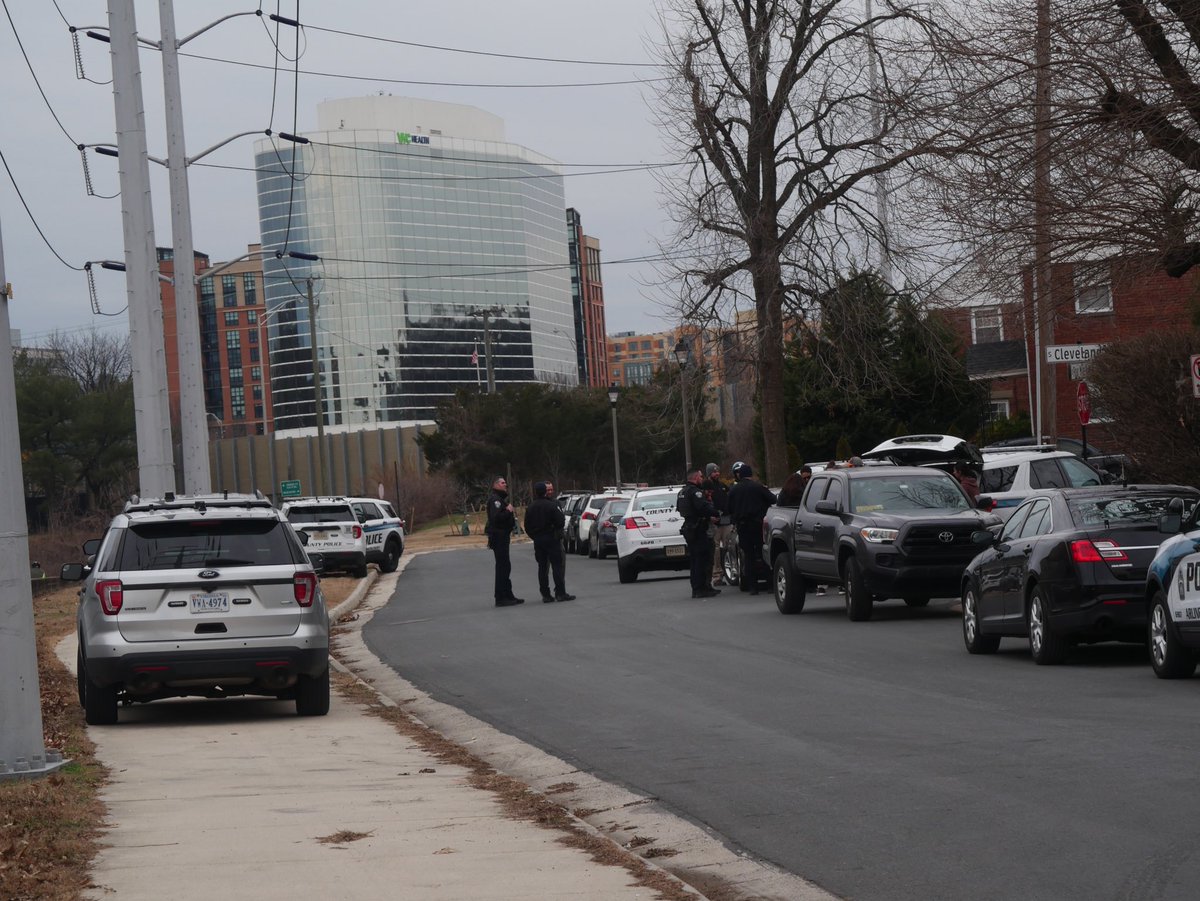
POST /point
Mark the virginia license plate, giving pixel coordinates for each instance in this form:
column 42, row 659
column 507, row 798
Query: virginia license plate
column 676, row 550
column 210, row 603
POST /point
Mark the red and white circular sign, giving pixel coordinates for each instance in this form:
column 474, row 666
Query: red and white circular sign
column 1084, row 403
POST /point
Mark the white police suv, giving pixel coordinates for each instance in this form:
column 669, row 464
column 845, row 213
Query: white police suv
column 332, row 529
column 1173, row 595
column 383, row 531
column 209, row 595
column 648, row 537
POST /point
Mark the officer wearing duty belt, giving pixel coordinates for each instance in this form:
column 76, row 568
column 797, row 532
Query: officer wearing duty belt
column 698, row 512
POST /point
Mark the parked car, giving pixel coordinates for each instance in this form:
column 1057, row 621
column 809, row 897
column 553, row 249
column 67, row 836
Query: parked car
column 209, row 595
column 587, row 517
column 383, row 531
column 1009, row 477
column 571, row 526
column 332, row 528
column 1173, row 595
column 1069, row 566
column 604, row 532
column 942, row 451
column 649, row 538
column 879, row 531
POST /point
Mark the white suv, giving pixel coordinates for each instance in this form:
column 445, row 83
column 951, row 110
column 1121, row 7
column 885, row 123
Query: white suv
column 332, row 529
column 383, row 531
column 209, row 595
column 648, row 538
column 1009, row 477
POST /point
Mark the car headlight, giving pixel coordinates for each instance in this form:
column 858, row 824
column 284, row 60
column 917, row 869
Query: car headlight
column 879, row 536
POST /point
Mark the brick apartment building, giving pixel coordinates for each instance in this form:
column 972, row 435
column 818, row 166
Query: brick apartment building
column 233, row 344
column 1095, row 303
column 587, row 295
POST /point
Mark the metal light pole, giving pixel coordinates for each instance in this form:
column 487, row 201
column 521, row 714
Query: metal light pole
column 683, row 354
column 318, row 408
column 613, row 393
column 22, row 752
column 485, row 315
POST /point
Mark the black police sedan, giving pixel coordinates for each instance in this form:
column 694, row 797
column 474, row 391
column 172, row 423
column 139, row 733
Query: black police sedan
column 1069, row 566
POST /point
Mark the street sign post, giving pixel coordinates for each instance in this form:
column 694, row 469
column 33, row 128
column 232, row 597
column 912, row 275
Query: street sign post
column 1195, row 375
column 289, row 488
column 1083, row 402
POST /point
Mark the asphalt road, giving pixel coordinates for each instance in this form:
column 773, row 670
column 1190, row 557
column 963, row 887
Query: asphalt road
column 876, row 759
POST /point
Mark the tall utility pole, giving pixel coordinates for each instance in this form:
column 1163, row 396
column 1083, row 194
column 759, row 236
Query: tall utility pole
column 318, row 406
column 1043, row 312
column 193, row 434
column 156, row 465
column 485, row 314
column 22, row 753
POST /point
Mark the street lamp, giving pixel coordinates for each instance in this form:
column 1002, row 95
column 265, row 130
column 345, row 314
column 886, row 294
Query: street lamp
column 683, row 355
column 318, row 406
column 613, row 393
column 217, row 419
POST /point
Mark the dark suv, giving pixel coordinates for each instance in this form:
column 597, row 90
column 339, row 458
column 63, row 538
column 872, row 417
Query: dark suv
column 881, row 531
column 208, row 595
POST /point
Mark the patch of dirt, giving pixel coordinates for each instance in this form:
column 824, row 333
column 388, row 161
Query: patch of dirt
column 517, row 799
column 344, row 837
column 562, row 787
column 49, row 827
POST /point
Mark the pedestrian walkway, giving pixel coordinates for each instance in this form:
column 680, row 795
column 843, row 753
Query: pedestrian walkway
column 243, row 799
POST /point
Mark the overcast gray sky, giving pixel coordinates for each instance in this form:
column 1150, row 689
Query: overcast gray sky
column 601, row 125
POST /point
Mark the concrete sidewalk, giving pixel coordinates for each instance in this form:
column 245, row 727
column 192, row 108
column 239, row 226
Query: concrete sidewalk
column 243, row 799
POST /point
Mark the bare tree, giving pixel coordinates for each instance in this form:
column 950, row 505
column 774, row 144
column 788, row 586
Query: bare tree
column 97, row 361
column 772, row 104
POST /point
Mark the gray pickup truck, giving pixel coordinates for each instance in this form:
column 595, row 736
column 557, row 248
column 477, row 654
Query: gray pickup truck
column 879, row 531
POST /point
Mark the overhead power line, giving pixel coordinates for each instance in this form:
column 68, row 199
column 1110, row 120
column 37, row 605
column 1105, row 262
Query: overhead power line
column 443, row 178
column 33, row 218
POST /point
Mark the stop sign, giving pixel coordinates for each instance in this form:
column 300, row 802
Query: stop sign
column 1084, row 403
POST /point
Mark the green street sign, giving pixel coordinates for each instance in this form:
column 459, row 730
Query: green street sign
column 290, row 488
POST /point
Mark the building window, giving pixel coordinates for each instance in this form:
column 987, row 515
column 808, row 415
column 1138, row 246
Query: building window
column 987, row 325
column 258, row 411
column 252, row 336
column 235, row 375
column 1091, row 298
column 237, row 402
column 254, row 355
column 231, row 317
column 256, row 393
column 249, row 289
column 233, row 340
column 229, row 290
column 252, row 316
column 645, row 345
column 639, row 373
column 997, row 410
column 256, row 373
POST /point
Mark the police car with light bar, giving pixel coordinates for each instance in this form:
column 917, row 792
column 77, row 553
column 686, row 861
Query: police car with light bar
column 648, row 537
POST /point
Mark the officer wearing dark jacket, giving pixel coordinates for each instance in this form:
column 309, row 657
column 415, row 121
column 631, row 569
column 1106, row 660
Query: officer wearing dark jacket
column 500, row 522
column 748, row 503
column 698, row 513
column 544, row 522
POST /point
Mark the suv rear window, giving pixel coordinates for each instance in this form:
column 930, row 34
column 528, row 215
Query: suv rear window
column 321, row 513
column 897, row 493
column 205, row 543
column 653, row 502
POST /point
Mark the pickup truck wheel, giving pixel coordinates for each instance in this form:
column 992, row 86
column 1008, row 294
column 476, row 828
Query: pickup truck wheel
column 1168, row 656
column 859, row 605
column 975, row 640
column 1045, row 647
column 789, row 586
column 625, row 572
column 917, row 602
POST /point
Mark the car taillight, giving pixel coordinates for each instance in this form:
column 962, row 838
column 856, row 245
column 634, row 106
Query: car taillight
column 588, row 515
column 636, row 522
column 358, row 531
column 1085, row 551
column 304, row 588
column 112, row 595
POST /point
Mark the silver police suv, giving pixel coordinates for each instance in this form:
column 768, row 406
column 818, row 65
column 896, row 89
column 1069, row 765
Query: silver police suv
column 208, row 595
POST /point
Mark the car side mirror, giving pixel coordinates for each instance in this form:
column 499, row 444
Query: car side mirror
column 829, row 508
column 362, row 518
column 318, row 561
column 72, row 572
column 91, row 547
column 983, row 538
column 1172, row 521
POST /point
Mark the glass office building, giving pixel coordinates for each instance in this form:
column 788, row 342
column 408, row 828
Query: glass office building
column 422, row 216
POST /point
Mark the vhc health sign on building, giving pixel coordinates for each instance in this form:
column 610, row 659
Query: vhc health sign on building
column 1072, row 353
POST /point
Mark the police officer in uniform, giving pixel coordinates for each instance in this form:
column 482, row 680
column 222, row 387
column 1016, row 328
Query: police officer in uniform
column 748, row 503
column 698, row 513
column 500, row 522
column 544, row 521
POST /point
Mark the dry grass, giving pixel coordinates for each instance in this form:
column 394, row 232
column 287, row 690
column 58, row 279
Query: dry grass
column 49, row 826
column 517, row 799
